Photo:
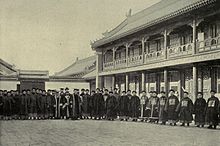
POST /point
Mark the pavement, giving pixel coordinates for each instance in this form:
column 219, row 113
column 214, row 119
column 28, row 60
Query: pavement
column 102, row 133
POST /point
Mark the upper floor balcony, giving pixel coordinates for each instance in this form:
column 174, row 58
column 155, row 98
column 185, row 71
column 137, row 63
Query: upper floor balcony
column 183, row 41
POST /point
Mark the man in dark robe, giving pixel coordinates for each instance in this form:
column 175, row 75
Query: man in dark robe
column 62, row 102
column 144, row 101
column 32, row 102
column 98, row 103
column 85, row 104
column 212, row 111
column 91, row 104
column 49, row 104
column 199, row 110
column 117, row 96
column 123, row 106
column 105, row 97
column 185, row 109
column 111, row 106
column 170, row 108
column 28, row 96
column 154, row 105
column 43, row 104
column 24, row 105
column 162, row 112
column 76, row 105
column 1, row 104
column 15, row 104
column 134, row 106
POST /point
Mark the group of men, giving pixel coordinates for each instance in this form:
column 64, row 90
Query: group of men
column 104, row 104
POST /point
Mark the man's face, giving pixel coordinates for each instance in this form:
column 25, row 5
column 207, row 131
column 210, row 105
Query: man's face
column 105, row 92
column 87, row 92
column 1, row 92
column 171, row 93
column 129, row 92
column 199, row 96
column 28, row 92
column 162, row 94
column 212, row 93
column 97, row 91
column 143, row 93
column 185, row 95
column 33, row 90
column 133, row 93
column 110, row 94
column 154, row 94
column 24, row 92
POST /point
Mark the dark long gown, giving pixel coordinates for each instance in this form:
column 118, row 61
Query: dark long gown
column 76, row 107
column 212, row 111
column 85, row 104
column 24, row 106
column 33, row 105
column 185, row 110
column 111, row 107
column 123, row 106
column 162, row 112
column 199, row 110
column 170, row 108
column 134, row 107
column 98, row 105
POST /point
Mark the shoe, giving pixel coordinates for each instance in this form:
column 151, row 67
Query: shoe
column 209, row 127
column 183, row 124
column 188, row 124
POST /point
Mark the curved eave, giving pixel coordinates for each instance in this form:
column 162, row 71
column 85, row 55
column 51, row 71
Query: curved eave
column 184, row 10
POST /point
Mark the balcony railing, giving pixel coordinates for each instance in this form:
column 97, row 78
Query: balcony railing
column 135, row 60
column 154, row 56
column 180, row 50
column 208, row 44
column 108, row 66
column 120, row 63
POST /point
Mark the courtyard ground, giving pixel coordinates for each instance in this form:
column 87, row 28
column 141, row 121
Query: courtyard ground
column 102, row 133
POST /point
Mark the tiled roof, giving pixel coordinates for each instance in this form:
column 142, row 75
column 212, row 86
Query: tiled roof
column 6, row 68
column 79, row 67
column 161, row 11
column 90, row 75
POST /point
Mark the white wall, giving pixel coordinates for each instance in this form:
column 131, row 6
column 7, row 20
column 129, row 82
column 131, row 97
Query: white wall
column 70, row 85
column 9, row 85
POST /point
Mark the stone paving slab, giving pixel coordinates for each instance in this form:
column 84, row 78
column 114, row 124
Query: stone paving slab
column 102, row 133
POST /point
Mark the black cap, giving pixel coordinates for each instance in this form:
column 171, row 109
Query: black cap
column 97, row 89
column 66, row 88
column 110, row 92
column 115, row 88
column 186, row 92
column 154, row 92
column 134, row 92
column 123, row 91
column 129, row 91
column 213, row 91
column 162, row 92
column 151, row 92
column 200, row 93
column 171, row 90
column 75, row 89
column 61, row 88
column 106, row 89
column 87, row 89
column 82, row 89
column 143, row 91
column 93, row 91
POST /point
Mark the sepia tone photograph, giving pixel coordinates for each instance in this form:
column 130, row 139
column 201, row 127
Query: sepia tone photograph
column 109, row 73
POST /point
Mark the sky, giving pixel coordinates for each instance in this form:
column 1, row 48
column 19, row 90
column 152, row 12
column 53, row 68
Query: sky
column 50, row 34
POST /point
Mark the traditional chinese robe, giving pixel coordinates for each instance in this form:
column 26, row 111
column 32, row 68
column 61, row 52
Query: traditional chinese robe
column 162, row 112
column 212, row 111
column 199, row 110
column 170, row 108
column 111, row 107
column 134, row 107
column 98, row 105
column 123, row 106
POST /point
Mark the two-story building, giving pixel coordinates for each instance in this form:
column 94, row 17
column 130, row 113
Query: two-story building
column 172, row 44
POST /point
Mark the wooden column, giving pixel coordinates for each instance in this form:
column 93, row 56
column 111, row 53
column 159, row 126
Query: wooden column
column 99, row 63
column 166, row 84
column 165, row 43
column 127, row 47
column 143, row 81
column 113, row 51
column 195, row 81
column 143, row 48
column 157, row 82
column 214, row 78
column 113, row 82
column 126, row 82
column 182, row 82
column 194, row 35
